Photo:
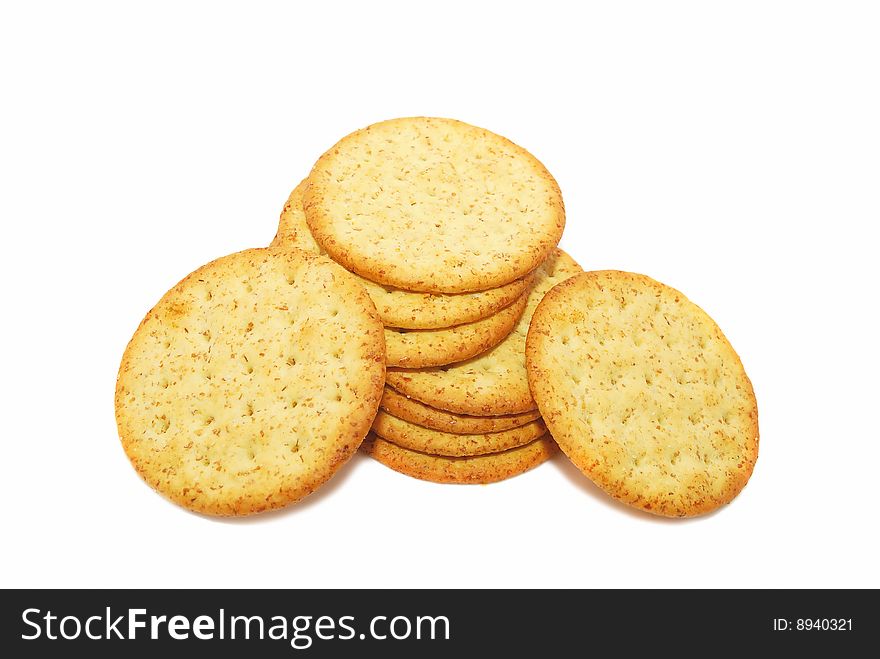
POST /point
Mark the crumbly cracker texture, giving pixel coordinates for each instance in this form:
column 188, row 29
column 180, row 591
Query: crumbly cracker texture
column 436, row 347
column 494, row 382
column 643, row 392
column 399, row 308
column 251, row 382
column 409, row 409
column 292, row 228
column 436, row 442
column 433, row 205
column 479, row 469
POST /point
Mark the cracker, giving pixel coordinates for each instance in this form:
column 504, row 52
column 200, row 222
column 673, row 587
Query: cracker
column 292, row 228
column 494, row 382
column 251, row 382
column 436, row 347
column 416, row 412
column 397, row 307
column 643, row 392
column 466, row 470
column 433, row 205
column 436, row 442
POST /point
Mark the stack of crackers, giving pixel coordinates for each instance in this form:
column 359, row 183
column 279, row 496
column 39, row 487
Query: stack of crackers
column 452, row 231
column 414, row 303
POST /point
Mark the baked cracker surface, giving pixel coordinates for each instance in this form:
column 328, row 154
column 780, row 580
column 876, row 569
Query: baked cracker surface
column 643, row 392
column 433, row 205
column 251, row 381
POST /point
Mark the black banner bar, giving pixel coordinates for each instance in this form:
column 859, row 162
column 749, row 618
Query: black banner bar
column 317, row 623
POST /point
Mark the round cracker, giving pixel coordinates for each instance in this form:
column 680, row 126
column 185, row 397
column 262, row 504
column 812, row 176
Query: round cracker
column 251, row 382
column 436, row 347
column 433, row 205
column 435, row 442
column 494, row 382
column 643, row 392
column 396, row 307
column 409, row 409
column 474, row 470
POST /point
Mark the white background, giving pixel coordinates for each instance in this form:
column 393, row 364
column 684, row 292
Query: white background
column 731, row 150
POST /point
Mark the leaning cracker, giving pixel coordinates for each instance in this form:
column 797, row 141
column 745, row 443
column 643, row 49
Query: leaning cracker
column 494, row 382
column 436, row 347
column 433, row 205
column 409, row 409
column 396, row 307
column 292, row 228
column 426, row 440
column 643, row 392
column 466, row 470
column 251, row 382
